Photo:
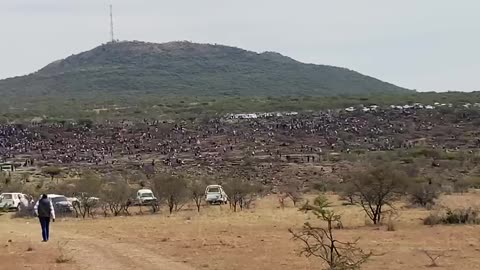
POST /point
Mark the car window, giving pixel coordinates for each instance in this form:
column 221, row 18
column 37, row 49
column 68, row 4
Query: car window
column 213, row 190
column 7, row 196
column 59, row 199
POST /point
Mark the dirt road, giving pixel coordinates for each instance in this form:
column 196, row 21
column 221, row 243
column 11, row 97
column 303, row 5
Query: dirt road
column 20, row 241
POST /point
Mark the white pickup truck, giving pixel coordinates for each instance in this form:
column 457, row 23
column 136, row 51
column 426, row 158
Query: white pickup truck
column 146, row 197
column 214, row 194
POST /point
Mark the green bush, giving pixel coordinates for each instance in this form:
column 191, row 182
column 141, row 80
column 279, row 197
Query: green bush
column 464, row 184
column 426, row 152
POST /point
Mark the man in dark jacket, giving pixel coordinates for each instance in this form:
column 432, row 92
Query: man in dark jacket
column 44, row 211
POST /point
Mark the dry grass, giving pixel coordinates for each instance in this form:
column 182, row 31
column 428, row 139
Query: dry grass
column 258, row 239
column 63, row 259
column 63, row 254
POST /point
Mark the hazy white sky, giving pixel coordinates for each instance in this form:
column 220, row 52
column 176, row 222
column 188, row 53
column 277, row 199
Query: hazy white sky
column 418, row 44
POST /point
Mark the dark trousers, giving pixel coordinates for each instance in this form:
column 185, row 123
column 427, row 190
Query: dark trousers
column 45, row 223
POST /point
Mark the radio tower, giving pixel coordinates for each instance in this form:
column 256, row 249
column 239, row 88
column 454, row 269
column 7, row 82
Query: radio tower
column 111, row 25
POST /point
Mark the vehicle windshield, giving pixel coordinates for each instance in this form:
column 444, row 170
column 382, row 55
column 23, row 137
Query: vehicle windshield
column 143, row 195
column 213, row 190
column 6, row 196
column 59, row 199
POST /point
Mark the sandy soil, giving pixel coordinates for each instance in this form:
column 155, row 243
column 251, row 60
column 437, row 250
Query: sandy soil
column 219, row 239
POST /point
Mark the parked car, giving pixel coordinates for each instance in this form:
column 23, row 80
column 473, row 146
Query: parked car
column 73, row 200
column 83, row 198
column 145, row 197
column 13, row 201
column 61, row 203
column 214, row 194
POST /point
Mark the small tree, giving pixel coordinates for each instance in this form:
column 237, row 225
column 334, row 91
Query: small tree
column 293, row 192
column 322, row 242
column 241, row 193
column 423, row 194
column 171, row 189
column 116, row 198
column 253, row 191
column 52, row 171
column 347, row 193
column 86, row 192
column 376, row 187
column 197, row 191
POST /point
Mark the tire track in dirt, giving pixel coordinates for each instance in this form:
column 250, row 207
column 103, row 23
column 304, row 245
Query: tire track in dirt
column 88, row 252
column 94, row 253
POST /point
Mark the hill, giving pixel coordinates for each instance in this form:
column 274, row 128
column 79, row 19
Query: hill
column 187, row 69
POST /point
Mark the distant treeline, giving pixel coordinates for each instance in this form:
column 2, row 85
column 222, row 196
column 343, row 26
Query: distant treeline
column 143, row 105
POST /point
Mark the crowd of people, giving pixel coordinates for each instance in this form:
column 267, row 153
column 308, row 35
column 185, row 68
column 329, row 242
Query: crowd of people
column 217, row 139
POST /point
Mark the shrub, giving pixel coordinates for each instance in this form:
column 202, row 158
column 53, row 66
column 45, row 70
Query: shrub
column 456, row 216
column 375, row 188
column 426, row 152
column 462, row 216
column 171, row 189
column 462, row 185
column 293, row 192
column 52, row 171
column 432, row 219
column 25, row 212
column 241, row 193
column 197, row 191
column 423, row 194
column 392, row 221
column 116, row 198
column 324, row 244
column 86, row 192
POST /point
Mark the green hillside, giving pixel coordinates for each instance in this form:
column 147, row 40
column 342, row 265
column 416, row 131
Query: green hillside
column 187, row 69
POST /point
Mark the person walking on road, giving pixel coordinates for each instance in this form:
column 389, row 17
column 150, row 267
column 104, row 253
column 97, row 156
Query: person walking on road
column 44, row 211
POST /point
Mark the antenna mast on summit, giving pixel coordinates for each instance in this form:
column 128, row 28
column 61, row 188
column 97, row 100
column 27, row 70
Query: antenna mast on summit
column 111, row 25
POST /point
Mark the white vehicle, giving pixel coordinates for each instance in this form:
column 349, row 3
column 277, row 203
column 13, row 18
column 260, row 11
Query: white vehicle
column 146, row 197
column 61, row 203
column 83, row 198
column 215, row 194
column 13, row 201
